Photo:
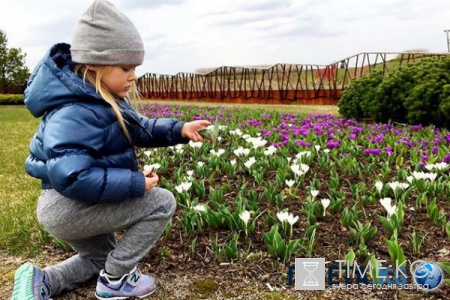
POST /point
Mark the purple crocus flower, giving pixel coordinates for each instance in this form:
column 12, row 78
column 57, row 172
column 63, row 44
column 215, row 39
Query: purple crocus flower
column 375, row 152
column 447, row 137
column 389, row 150
column 278, row 145
column 333, row 144
column 434, row 149
column 446, row 158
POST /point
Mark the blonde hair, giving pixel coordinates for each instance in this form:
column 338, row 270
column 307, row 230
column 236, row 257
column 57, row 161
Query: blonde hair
column 95, row 78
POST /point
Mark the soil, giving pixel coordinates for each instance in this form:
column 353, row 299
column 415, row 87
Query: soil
column 182, row 276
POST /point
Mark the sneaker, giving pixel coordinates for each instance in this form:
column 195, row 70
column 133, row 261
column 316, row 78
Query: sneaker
column 133, row 284
column 30, row 283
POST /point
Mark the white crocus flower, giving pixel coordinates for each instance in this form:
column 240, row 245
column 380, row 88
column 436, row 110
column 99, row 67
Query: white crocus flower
column 245, row 216
column 200, row 207
column 233, row 162
column 152, row 167
column 195, row 144
column 250, row 162
column 296, row 170
column 325, row 203
column 240, row 151
column 317, row 147
column 200, row 164
column 246, row 151
column 289, row 159
column 314, row 193
column 437, row 166
column 391, row 211
column 305, row 168
column 386, row 203
column 291, row 219
column 179, row 188
column 148, row 153
column 236, row 132
column 290, row 183
column 282, row 216
column 326, row 151
column 379, row 186
column 424, row 176
column 410, row 179
column 186, row 185
column 190, row 173
column 270, row 150
column 183, row 187
column 148, row 168
column 398, row 185
column 218, row 152
column 257, row 142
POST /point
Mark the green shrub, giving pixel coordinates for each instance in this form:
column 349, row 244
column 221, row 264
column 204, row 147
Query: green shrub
column 11, row 99
column 416, row 94
column 427, row 97
column 354, row 99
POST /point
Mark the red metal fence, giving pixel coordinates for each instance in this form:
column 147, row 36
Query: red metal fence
column 277, row 84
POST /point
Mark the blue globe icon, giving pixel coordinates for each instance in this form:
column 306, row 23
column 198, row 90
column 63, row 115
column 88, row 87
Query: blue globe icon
column 428, row 275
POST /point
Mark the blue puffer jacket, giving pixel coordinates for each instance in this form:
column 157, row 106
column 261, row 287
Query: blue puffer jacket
column 79, row 148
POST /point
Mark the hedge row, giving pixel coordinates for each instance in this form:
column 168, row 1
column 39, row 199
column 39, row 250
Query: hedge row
column 416, row 94
column 11, row 99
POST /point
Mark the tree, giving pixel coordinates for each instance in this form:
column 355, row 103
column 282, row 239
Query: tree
column 13, row 72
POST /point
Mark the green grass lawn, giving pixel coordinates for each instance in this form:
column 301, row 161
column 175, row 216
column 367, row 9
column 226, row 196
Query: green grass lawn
column 18, row 191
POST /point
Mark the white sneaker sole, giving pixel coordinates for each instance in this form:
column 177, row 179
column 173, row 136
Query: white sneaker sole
column 122, row 298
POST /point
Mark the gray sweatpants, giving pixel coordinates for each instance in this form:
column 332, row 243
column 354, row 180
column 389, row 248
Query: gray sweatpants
column 89, row 229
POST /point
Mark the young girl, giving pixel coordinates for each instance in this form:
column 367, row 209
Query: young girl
column 83, row 151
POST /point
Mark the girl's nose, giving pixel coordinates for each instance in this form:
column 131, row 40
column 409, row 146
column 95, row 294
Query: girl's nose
column 132, row 76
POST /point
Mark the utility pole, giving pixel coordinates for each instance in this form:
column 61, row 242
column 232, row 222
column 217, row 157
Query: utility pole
column 448, row 39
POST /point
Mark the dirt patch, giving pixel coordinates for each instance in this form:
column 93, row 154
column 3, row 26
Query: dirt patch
column 261, row 278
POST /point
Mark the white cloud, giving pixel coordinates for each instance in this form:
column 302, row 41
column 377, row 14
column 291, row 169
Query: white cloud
column 185, row 35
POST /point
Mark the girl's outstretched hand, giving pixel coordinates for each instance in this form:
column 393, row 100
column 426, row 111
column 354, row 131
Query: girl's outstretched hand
column 189, row 130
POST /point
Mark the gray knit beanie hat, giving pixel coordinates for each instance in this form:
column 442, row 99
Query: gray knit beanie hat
column 105, row 36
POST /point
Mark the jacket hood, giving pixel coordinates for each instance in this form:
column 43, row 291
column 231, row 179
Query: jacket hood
column 53, row 83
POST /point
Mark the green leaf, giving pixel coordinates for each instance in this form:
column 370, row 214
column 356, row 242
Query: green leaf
column 350, row 258
column 216, row 128
column 211, row 135
column 445, row 266
column 388, row 226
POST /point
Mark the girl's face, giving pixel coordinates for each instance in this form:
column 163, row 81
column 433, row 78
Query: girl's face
column 118, row 79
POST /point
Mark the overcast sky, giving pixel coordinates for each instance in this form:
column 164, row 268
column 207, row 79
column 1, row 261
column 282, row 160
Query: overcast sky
column 185, row 35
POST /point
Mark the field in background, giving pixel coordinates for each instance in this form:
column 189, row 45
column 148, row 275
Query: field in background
column 301, row 109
